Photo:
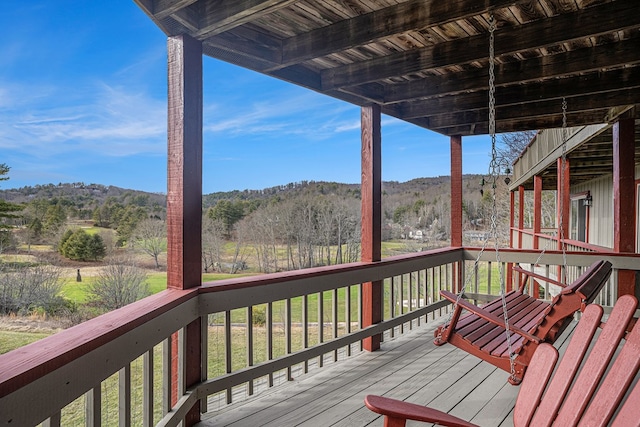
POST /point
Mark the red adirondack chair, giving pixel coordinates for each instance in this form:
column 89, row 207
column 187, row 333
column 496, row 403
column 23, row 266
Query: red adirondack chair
column 481, row 332
column 592, row 385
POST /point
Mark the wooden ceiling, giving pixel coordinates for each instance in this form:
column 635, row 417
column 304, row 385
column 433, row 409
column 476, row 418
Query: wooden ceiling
column 426, row 61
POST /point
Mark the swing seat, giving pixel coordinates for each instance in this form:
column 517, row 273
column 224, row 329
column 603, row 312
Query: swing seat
column 481, row 331
column 594, row 383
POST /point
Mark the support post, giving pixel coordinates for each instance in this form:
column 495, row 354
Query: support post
column 512, row 214
column 371, row 236
column 564, row 201
column 520, row 222
column 520, row 214
column 456, row 205
column 184, row 196
column 456, row 191
column 623, row 199
column 537, row 210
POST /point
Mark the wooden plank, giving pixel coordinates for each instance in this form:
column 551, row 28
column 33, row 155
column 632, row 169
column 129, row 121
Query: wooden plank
column 230, row 14
column 535, row 35
column 373, row 26
column 528, row 70
column 617, row 382
column 365, row 368
column 595, row 366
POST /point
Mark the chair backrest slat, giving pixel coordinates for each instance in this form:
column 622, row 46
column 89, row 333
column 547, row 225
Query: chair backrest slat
column 617, row 381
column 598, row 359
column 568, row 366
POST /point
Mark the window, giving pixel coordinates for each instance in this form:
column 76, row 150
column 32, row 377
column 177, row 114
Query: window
column 579, row 216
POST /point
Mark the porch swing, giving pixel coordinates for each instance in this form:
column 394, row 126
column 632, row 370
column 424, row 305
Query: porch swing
column 507, row 331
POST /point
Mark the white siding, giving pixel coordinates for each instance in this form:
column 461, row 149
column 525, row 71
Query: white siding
column 601, row 212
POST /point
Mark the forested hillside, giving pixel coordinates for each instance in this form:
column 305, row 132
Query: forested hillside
column 286, row 227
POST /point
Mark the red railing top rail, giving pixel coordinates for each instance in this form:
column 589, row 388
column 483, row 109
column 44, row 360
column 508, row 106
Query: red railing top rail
column 577, row 243
column 25, row 364
column 307, row 273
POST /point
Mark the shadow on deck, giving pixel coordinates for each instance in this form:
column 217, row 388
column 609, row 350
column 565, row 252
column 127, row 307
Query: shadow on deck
column 409, row 367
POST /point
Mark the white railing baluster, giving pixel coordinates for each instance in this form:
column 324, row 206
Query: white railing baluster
column 167, row 390
column 227, row 351
column 204, row 359
column 249, row 345
column 147, row 388
column 53, row 421
column 334, row 320
column 124, row 396
column 270, row 338
column 305, row 328
column 93, row 407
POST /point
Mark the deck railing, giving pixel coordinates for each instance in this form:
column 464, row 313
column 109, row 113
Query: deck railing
column 257, row 332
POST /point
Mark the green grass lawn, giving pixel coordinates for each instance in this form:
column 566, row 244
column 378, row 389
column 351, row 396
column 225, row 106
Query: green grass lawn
column 10, row 340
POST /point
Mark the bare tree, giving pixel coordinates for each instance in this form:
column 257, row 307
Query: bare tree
column 513, row 144
column 120, row 283
column 150, row 237
column 213, row 231
column 23, row 289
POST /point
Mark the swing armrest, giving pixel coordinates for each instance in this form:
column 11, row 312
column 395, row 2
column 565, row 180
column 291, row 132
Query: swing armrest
column 397, row 411
column 538, row 276
column 488, row 316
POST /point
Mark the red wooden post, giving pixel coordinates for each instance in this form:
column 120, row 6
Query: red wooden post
column 623, row 198
column 564, row 201
column 184, row 194
column 456, row 205
column 371, row 237
column 520, row 222
column 520, row 214
column 456, row 191
column 537, row 210
column 512, row 200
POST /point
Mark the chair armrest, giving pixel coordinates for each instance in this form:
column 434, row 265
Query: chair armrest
column 538, row 276
column 488, row 316
column 397, row 412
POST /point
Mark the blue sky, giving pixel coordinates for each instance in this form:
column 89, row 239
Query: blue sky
column 83, row 99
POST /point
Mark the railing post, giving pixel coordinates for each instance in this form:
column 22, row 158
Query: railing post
column 184, row 195
column 371, row 236
column 623, row 199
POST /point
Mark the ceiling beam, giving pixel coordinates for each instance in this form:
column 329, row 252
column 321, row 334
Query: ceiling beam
column 579, row 61
column 219, row 16
column 540, row 109
column 165, row 8
column 526, row 123
column 397, row 19
column 587, row 85
column 593, row 21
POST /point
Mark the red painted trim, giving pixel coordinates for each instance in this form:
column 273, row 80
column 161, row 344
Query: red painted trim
column 371, row 216
column 184, row 167
column 537, row 209
column 35, row 360
column 578, row 243
column 520, row 213
column 456, row 190
column 564, row 200
column 623, row 185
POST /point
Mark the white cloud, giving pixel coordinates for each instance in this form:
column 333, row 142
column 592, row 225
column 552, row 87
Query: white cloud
column 109, row 121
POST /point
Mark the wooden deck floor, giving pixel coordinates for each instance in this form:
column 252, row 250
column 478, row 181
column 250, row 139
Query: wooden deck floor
column 409, row 367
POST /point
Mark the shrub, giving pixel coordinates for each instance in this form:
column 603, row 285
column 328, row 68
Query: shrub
column 80, row 246
column 119, row 283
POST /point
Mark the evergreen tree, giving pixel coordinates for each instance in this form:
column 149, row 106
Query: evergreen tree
column 81, row 246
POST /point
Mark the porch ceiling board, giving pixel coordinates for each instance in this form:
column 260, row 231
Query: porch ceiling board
column 426, row 61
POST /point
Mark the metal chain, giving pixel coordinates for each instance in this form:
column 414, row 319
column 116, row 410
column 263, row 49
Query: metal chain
column 494, row 171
